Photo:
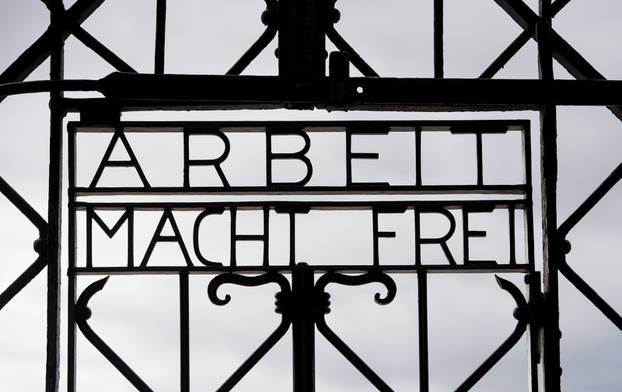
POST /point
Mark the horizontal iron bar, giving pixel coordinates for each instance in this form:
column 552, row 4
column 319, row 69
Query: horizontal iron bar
column 182, row 92
column 449, row 204
column 374, row 127
column 46, row 86
column 395, row 268
column 285, row 189
column 377, row 93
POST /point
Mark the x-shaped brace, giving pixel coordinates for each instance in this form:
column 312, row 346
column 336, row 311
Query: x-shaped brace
column 68, row 24
column 563, row 52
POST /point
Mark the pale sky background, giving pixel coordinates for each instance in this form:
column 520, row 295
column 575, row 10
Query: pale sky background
column 469, row 315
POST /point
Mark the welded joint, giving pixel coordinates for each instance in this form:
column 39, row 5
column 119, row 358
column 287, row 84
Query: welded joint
column 40, row 245
column 533, row 311
column 291, row 305
column 110, row 112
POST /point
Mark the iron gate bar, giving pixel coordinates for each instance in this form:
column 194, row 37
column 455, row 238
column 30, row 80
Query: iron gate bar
column 551, row 334
column 23, row 206
column 422, row 322
column 184, row 332
column 71, row 278
column 148, row 92
column 160, row 37
column 269, row 18
column 348, row 268
column 55, row 191
column 560, row 50
column 438, row 39
column 589, row 293
column 589, row 203
column 340, row 190
column 557, row 6
column 568, row 225
column 101, row 50
column 508, row 53
column 23, row 280
column 42, row 48
column 158, row 92
column 355, row 58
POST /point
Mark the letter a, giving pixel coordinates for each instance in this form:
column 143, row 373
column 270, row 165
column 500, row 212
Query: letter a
column 106, row 162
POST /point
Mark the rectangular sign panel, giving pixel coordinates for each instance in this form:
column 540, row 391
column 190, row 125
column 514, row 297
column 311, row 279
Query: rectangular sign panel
column 221, row 196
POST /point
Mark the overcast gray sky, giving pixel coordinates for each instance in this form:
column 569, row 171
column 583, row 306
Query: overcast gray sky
column 396, row 39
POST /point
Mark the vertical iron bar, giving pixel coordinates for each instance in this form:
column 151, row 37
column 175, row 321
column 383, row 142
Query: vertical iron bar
column 535, row 299
column 303, row 329
column 551, row 337
column 534, row 277
column 292, row 239
column 266, row 236
column 348, row 158
column 71, row 253
column 438, row 39
column 233, row 258
column 302, row 38
column 418, row 156
column 160, row 36
column 55, row 176
column 480, row 158
column 184, row 332
column 376, row 239
column 548, row 140
column 422, row 296
column 512, row 224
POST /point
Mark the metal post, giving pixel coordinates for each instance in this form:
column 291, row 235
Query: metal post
column 303, row 329
column 548, row 140
column 424, row 367
column 438, row 39
column 302, row 38
column 54, row 210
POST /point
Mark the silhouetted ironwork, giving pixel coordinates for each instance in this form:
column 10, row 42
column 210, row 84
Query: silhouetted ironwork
column 302, row 27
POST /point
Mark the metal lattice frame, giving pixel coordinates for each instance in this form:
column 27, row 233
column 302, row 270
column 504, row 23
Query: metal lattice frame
column 302, row 84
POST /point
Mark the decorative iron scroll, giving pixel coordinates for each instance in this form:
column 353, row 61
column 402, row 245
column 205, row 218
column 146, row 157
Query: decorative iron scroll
column 209, row 177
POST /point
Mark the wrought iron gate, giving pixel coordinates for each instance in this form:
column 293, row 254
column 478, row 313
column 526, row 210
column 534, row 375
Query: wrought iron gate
column 303, row 27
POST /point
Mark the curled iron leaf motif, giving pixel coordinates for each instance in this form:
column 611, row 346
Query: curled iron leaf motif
column 374, row 276
column 522, row 315
column 513, row 290
column 243, row 280
column 83, row 312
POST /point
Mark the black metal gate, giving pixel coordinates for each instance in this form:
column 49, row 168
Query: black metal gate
column 303, row 28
